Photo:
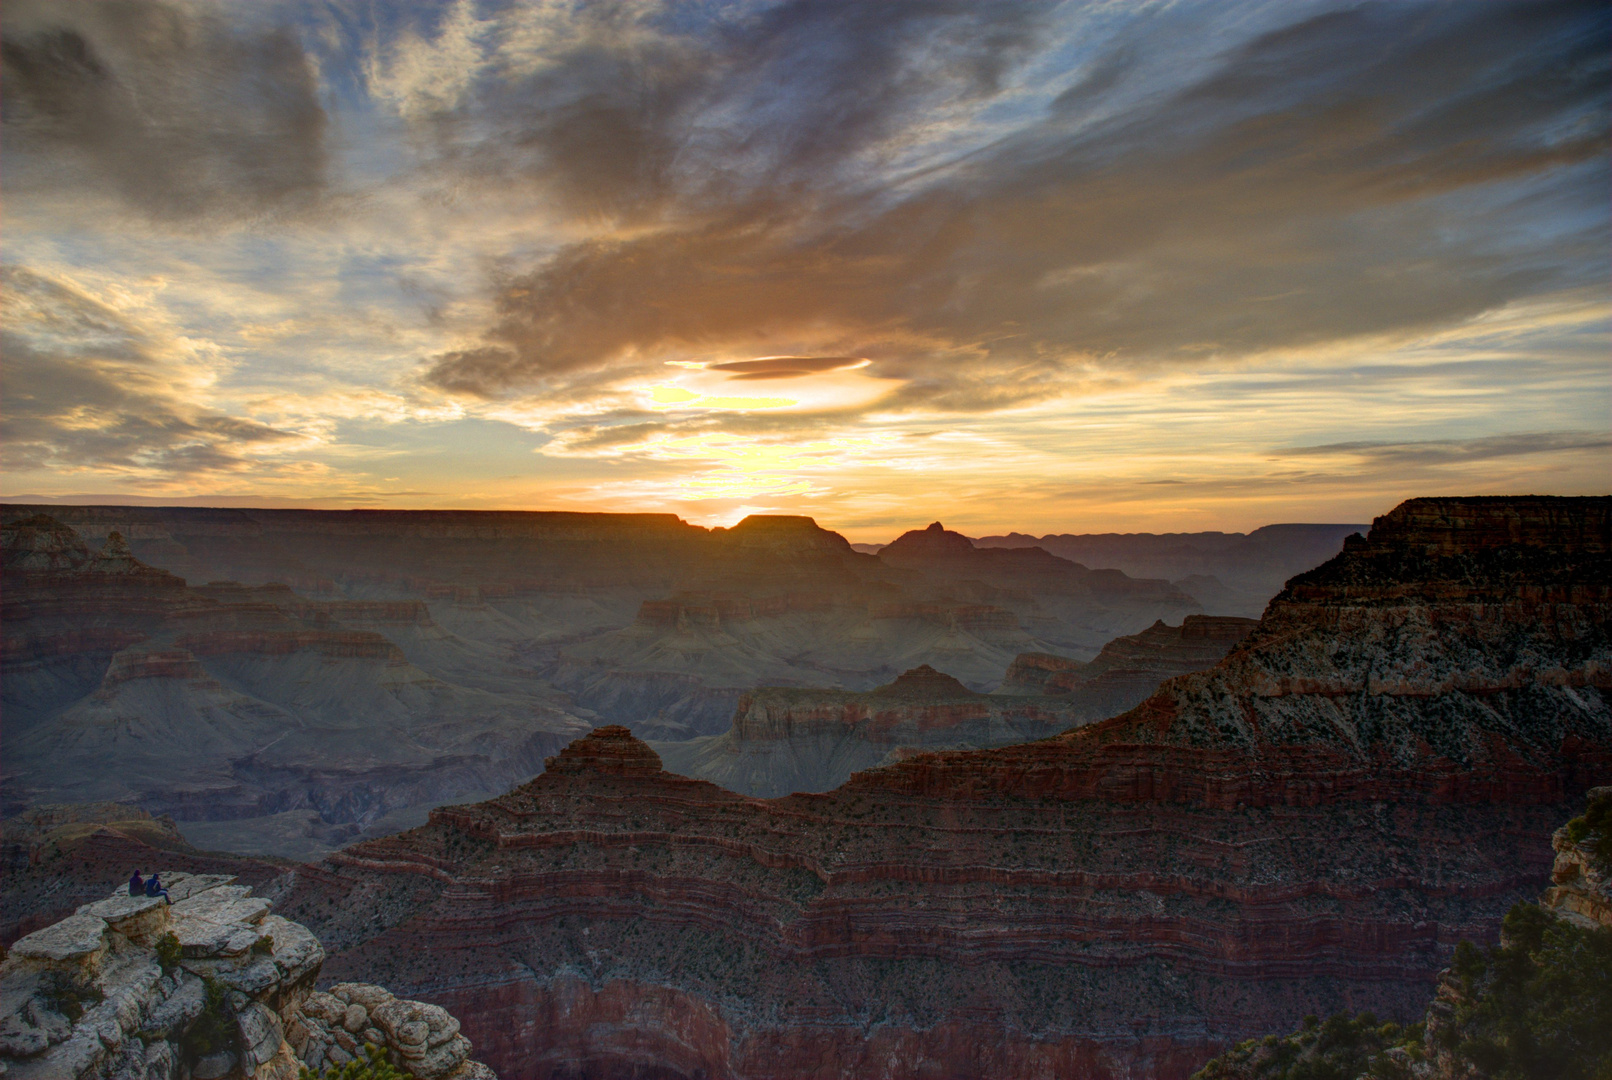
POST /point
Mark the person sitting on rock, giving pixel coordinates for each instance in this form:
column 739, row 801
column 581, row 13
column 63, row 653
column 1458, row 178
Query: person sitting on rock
column 154, row 888
column 136, row 886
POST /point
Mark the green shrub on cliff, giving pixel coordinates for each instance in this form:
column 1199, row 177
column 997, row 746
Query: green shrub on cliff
column 1540, row 1005
column 373, row 1066
column 169, row 951
column 214, row 1030
column 1592, row 830
column 1340, row 1048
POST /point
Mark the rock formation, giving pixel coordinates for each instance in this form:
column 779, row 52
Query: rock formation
column 785, row 740
column 213, row 987
column 225, row 703
column 1289, row 832
column 58, row 858
column 1129, row 668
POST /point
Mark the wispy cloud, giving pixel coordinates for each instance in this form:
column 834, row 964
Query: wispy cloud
column 1456, row 451
column 1039, row 261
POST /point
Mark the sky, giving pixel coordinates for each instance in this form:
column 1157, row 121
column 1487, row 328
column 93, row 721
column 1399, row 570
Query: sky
column 1046, row 267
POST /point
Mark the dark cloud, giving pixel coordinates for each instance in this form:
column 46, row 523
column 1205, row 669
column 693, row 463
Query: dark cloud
column 86, row 388
column 1457, row 451
column 1380, row 168
column 166, row 106
column 633, row 121
column 784, row 367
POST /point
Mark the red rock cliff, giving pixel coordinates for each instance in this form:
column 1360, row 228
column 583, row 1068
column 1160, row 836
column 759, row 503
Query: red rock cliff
column 1309, row 826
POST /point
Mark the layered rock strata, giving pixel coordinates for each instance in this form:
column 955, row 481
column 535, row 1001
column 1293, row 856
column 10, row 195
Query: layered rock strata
column 1290, row 832
column 1129, row 668
column 222, row 702
column 204, row 985
column 639, row 617
column 784, row 740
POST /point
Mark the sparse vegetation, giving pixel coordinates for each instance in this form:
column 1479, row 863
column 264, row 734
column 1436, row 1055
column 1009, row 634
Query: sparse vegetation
column 1592, row 831
column 1537, row 1006
column 214, row 1030
column 169, row 951
column 69, row 996
column 263, row 946
column 374, row 1065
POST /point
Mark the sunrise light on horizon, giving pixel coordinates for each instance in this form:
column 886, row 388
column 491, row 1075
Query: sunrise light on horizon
column 1044, row 266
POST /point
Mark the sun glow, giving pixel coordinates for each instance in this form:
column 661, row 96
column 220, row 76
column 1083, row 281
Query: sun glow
column 736, row 467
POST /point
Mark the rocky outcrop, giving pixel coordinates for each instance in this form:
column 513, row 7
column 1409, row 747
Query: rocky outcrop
column 784, row 740
column 205, row 984
column 1129, row 668
column 59, row 858
column 1581, row 879
column 1288, row 833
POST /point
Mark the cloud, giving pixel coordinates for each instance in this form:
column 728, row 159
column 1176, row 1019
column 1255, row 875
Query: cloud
column 1367, row 171
column 166, row 106
column 785, row 367
column 1433, row 452
column 87, row 387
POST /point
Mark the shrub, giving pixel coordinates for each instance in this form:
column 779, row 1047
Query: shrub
column 69, row 996
column 214, row 1030
column 1341, row 1047
column 1537, row 1006
column 1593, row 830
column 1540, row 1004
column 263, row 946
column 376, row 1067
column 169, row 951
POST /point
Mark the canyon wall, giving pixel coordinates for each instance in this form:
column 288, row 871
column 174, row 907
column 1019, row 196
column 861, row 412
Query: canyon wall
column 786, row 740
column 1308, row 827
column 641, row 618
column 236, row 704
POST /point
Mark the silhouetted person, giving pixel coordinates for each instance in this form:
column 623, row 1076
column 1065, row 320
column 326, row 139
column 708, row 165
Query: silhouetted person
column 136, row 886
column 154, row 888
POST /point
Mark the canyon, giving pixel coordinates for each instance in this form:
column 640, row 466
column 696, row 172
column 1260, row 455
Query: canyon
column 785, row 740
column 1228, row 573
column 642, row 619
column 250, row 708
column 1288, row 832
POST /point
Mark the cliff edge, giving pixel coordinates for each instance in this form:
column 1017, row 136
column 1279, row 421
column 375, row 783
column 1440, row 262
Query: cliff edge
column 210, row 987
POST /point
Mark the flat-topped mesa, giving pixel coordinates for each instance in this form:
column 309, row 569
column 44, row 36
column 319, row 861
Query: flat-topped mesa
column 1456, row 525
column 1527, row 550
column 804, row 739
column 924, row 681
column 1034, row 672
column 611, row 750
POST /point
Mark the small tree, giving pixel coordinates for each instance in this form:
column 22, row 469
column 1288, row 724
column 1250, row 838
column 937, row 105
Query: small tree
column 373, row 1066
